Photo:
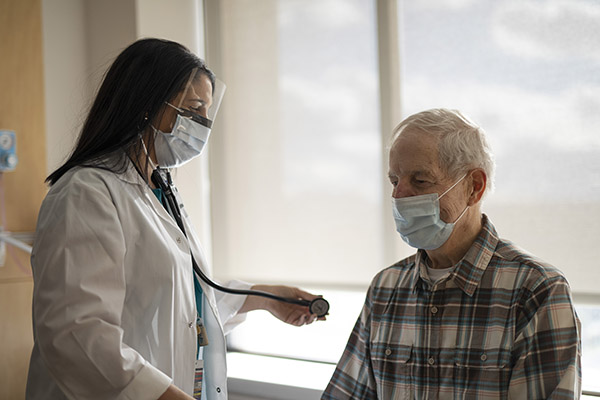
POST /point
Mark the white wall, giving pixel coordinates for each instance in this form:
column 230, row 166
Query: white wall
column 80, row 39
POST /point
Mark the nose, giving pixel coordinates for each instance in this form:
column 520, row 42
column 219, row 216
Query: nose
column 203, row 112
column 402, row 189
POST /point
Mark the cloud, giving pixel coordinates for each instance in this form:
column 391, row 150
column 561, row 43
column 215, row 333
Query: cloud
column 327, row 13
column 338, row 148
column 447, row 4
column 548, row 29
column 567, row 120
column 344, row 93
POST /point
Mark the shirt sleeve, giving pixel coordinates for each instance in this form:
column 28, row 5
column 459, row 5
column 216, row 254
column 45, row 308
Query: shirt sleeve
column 79, row 292
column 230, row 304
column 353, row 377
column 547, row 350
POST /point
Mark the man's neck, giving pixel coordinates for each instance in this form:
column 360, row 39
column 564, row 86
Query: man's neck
column 460, row 241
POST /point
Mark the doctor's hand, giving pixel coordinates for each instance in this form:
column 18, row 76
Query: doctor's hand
column 292, row 314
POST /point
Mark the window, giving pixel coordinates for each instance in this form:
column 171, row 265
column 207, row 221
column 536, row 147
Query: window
column 298, row 156
column 298, row 150
column 526, row 71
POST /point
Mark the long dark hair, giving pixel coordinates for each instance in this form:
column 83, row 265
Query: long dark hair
column 134, row 90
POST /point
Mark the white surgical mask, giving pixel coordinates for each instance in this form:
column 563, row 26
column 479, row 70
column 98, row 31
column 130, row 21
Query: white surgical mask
column 418, row 220
column 185, row 142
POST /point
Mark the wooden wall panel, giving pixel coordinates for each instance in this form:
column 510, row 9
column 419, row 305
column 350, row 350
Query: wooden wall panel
column 21, row 110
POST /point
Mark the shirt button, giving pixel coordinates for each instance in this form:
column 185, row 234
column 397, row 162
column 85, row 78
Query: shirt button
column 178, row 240
column 431, row 361
column 388, row 351
column 483, row 357
column 190, row 324
column 218, row 390
column 434, row 310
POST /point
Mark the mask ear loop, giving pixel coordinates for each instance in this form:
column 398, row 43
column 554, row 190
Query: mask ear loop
column 154, row 166
column 461, row 214
column 449, row 189
column 452, row 187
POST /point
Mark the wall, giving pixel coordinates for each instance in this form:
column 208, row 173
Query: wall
column 21, row 110
column 81, row 38
column 54, row 53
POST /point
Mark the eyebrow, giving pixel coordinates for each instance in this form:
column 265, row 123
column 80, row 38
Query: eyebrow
column 415, row 172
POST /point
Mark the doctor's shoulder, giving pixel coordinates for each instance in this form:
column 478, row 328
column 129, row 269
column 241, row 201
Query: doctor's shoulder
column 81, row 187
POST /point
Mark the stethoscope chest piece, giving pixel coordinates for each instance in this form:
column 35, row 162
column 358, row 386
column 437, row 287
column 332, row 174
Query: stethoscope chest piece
column 319, row 307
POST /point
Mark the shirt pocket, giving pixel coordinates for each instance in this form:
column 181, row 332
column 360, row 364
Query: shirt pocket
column 483, row 372
column 393, row 366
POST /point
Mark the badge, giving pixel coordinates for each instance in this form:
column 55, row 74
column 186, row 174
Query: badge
column 199, row 371
column 202, row 335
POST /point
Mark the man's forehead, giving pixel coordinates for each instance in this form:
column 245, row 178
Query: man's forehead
column 416, row 144
column 415, row 152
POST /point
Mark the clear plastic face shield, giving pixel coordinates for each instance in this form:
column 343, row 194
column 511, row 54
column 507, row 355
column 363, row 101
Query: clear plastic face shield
column 196, row 107
column 200, row 101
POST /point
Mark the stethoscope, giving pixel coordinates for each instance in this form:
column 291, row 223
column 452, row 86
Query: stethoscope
column 318, row 306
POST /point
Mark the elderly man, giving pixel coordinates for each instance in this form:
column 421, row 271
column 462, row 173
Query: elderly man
column 470, row 315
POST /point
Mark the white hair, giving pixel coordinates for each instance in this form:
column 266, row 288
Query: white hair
column 462, row 145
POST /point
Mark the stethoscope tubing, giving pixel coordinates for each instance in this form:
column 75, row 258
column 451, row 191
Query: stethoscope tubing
column 318, row 306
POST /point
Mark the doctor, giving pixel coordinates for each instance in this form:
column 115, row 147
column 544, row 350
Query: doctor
column 118, row 312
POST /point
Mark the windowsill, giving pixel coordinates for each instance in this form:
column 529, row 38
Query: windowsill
column 262, row 377
column 255, row 377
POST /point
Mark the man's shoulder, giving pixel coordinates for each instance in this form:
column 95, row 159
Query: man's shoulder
column 395, row 275
column 509, row 256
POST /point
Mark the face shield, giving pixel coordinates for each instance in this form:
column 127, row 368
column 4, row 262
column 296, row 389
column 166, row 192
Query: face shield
column 200, row 101
column 196, row 106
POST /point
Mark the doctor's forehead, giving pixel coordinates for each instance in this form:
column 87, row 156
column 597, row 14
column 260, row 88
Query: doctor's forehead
column 200, row 88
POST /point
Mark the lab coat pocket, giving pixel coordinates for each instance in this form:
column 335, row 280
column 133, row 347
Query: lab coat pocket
column 393, row 368
column 482, row 372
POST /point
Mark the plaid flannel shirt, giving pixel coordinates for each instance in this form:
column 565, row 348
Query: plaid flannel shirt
column 500, row 325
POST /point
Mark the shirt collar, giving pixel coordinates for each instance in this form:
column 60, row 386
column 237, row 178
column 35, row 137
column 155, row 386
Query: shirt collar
column 119, row 161
column 130, row 173
column 469, row 270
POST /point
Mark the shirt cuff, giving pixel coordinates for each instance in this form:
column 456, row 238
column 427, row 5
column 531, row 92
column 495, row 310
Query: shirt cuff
column 150, row 382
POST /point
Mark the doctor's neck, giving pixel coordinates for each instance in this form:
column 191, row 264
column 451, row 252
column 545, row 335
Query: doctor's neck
column 145, row 162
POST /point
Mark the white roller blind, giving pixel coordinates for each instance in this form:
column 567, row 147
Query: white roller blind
column 296, row 161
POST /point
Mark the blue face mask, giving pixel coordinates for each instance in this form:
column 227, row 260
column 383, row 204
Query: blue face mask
column 185, row 142
column 418, row 220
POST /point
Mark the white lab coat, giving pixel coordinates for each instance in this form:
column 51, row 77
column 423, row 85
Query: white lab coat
column 113, row 305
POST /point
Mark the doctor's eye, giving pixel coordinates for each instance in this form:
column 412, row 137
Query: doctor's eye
column 200, row 110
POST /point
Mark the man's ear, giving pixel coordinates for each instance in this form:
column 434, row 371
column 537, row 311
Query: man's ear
column 478, row 184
